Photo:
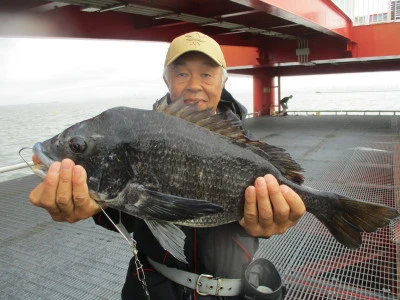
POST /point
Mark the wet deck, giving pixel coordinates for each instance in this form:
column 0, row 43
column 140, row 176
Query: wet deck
column 355, row 155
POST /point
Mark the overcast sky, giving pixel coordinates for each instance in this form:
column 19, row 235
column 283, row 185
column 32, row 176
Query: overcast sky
column 43, row 70
column 36, row 70
column 67, row 70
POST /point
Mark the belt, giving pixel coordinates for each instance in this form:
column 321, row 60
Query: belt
column 203, row 284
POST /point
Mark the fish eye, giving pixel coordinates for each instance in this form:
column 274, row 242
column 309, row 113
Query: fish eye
column 77, row 145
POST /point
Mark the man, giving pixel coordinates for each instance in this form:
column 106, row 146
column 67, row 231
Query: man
column 284, row 102
column 195, row 70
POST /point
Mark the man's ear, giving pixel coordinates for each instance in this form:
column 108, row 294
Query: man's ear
column 223, row 84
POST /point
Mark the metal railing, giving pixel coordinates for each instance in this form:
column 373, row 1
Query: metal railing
column 15, row 167
column 370, row 11
column 253, row 114
column 343, row 112
column 315, row 112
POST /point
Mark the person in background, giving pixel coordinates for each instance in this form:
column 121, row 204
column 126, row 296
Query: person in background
column 194, row 70
column 284, row 102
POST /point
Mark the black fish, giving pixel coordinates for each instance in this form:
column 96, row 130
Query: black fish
column 191, row 168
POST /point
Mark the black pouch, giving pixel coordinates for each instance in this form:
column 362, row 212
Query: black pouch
column 261, row 281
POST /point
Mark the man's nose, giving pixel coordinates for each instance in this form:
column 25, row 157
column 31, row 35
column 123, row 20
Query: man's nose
column 194, row 84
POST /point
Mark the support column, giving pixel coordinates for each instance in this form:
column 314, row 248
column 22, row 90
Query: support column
column 264, row 95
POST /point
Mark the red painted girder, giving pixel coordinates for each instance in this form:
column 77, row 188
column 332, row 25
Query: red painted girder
column 376, row 40
column 248, row 55
column 320, row 15
column 71, row 22
column 326, row 67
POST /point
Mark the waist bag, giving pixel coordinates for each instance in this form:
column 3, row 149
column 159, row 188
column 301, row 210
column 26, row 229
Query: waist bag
column 261, row 281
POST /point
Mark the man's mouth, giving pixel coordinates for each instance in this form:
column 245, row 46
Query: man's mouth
column 193, row 100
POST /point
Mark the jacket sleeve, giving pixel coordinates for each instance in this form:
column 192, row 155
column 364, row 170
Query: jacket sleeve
column 102, row 220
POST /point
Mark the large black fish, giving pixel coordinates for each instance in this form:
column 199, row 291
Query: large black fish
column 191, row 168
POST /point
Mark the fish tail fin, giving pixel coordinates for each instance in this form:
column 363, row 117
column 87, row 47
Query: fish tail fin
column 349, row 217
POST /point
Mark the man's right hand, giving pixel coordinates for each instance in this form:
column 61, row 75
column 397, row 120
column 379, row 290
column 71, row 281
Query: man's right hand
column 64, row 193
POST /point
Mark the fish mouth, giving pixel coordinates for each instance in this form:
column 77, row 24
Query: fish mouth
column 43, row 166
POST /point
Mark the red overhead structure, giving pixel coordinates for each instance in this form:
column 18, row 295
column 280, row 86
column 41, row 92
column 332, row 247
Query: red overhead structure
column 261, row 38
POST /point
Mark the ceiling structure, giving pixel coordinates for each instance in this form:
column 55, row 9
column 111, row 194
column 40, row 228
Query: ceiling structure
column 282, row 37
column 242, row 22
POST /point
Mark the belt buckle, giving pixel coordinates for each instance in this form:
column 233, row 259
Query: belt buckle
column 198, row 283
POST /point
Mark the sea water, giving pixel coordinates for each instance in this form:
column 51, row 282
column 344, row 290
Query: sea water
column 24, row 125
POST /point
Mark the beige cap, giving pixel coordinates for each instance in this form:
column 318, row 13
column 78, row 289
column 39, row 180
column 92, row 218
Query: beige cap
column 195, row 41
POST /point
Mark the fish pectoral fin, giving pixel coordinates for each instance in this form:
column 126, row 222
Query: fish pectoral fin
column 170, row 237
column 172, row 208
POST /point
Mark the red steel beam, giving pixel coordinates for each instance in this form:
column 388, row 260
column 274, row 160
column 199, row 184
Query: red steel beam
column 376, row 40
column 248, row 55
column 320, row 15
column 71, row 22
column 325, row 68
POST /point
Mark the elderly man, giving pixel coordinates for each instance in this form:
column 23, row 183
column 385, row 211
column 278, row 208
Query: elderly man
column 194, row 70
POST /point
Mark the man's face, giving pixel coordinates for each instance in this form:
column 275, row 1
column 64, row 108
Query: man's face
column 195, row 77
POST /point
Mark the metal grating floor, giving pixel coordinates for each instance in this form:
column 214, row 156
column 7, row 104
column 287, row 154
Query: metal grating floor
column 355, row 155
column 43, row 259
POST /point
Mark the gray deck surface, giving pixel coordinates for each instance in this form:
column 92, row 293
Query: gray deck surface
column 355, row 155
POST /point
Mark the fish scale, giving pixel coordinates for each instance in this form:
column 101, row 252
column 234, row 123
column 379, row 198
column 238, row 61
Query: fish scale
column 211, row 185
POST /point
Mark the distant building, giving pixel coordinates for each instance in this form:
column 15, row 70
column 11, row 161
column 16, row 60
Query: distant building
column 395, row 10
column 363, row 12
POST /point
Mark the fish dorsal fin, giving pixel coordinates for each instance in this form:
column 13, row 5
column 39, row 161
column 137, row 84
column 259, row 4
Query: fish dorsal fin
column 232, row 129
column 281, row 160
column 204, row 118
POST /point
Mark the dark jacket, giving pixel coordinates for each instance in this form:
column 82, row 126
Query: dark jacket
column 222, row 251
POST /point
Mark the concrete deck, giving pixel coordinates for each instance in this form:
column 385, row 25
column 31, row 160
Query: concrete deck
column 354, row 155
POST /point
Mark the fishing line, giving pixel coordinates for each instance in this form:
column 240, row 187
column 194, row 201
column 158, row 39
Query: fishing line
column 132, row 243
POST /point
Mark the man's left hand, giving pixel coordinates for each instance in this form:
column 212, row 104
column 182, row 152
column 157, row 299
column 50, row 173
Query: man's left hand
column 270, row 208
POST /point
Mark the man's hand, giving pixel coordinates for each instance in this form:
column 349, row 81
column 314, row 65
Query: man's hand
column 64, row 193
column 269, row 208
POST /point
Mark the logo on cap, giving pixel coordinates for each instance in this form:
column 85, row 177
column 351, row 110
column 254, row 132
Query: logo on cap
column 196, row 39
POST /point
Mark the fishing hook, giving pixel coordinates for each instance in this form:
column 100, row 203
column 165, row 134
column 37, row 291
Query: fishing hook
column 27, row 163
